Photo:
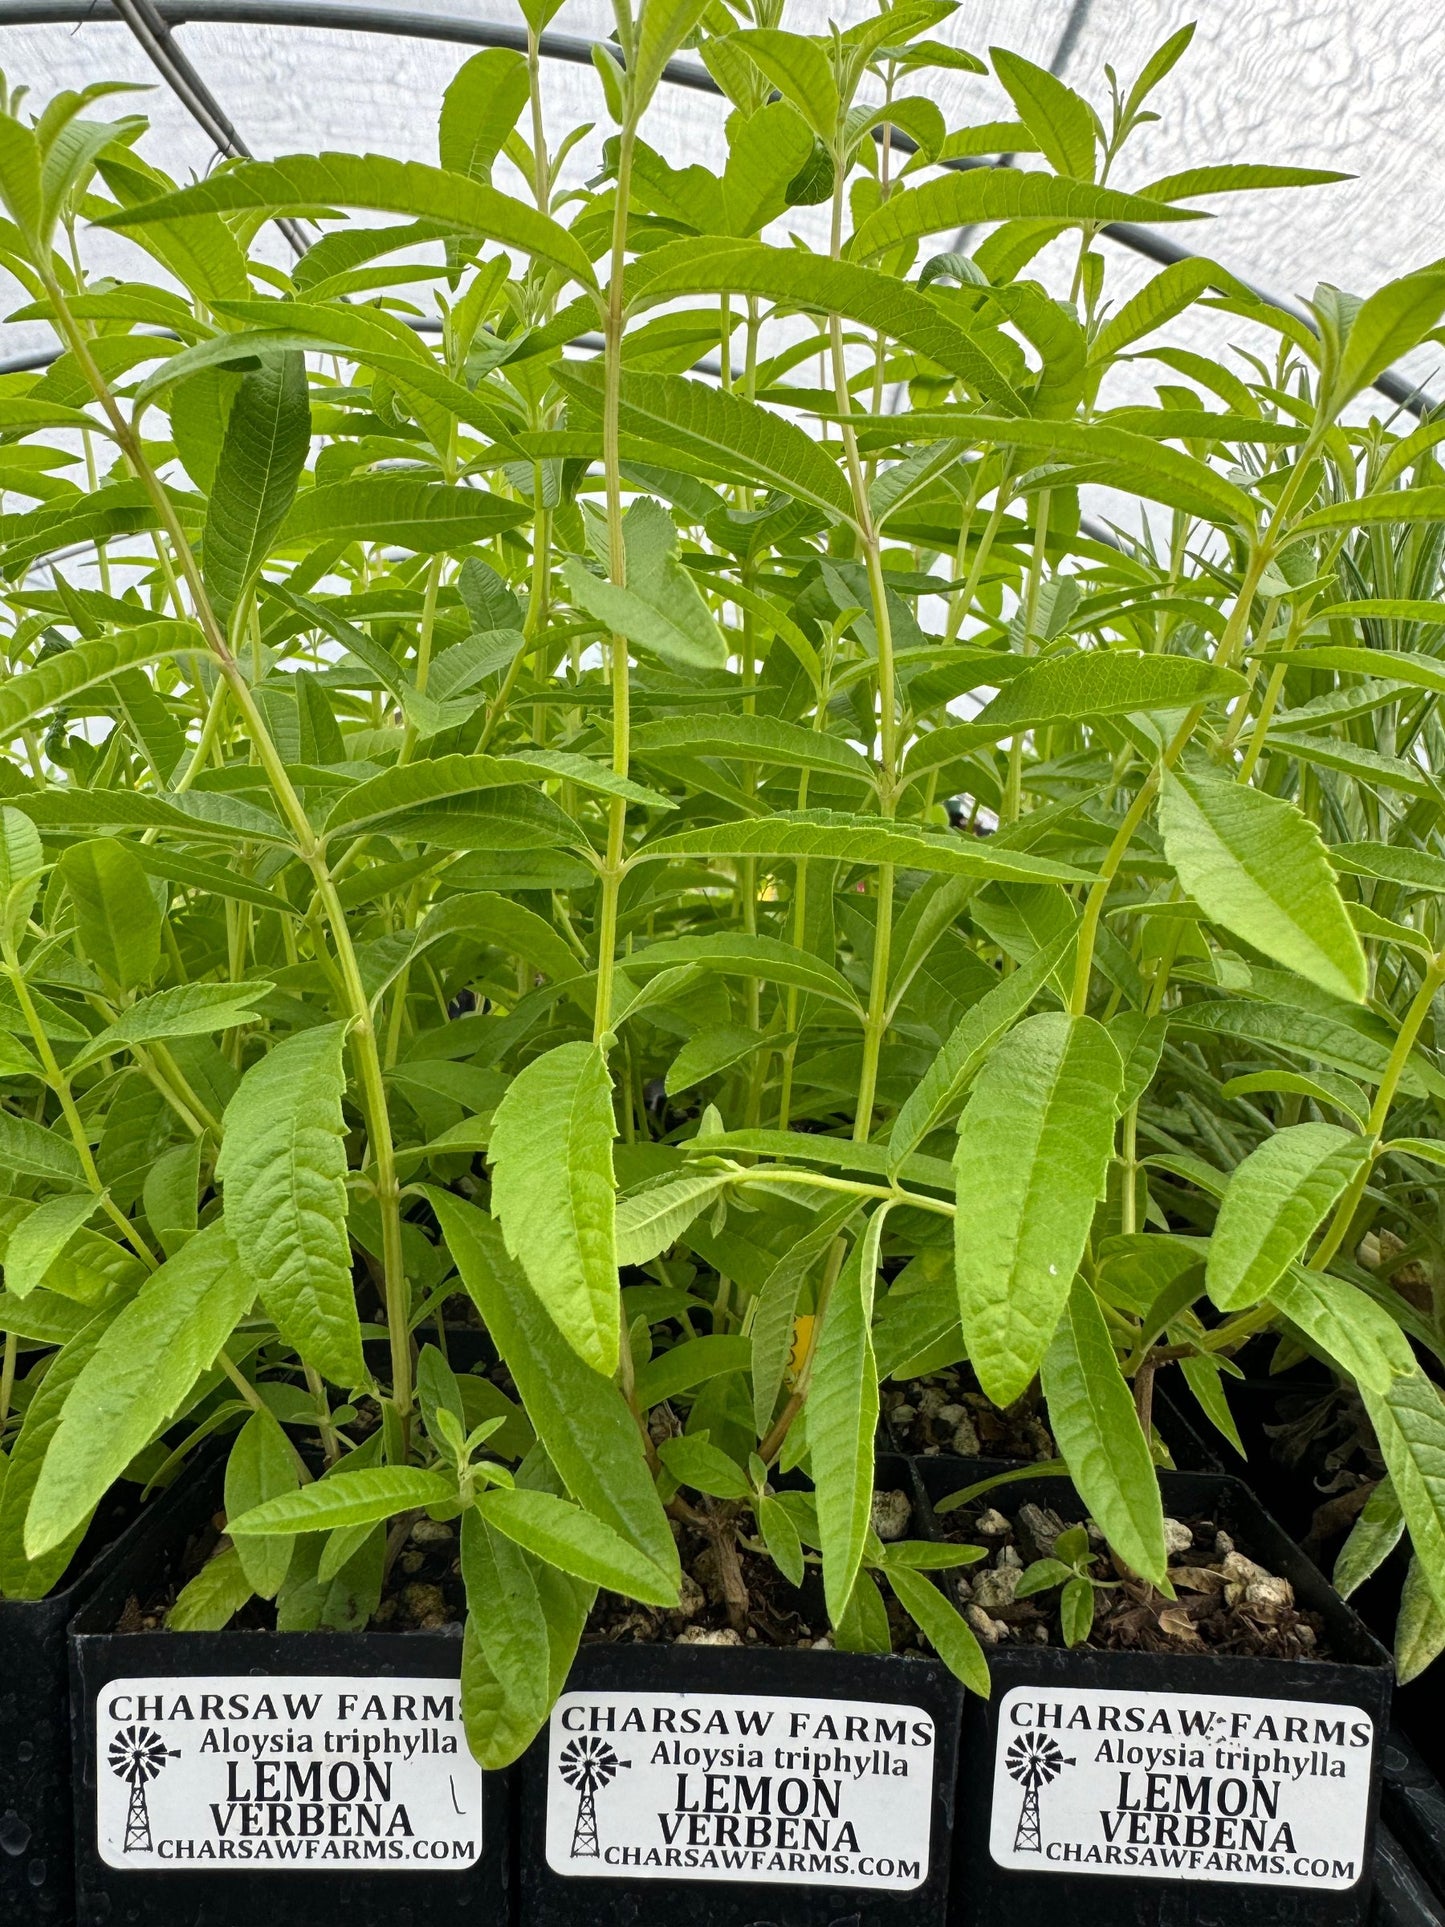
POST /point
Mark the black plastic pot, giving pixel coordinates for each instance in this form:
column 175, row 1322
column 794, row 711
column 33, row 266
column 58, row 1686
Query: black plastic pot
column 1413, row 1802
column 742, row 1787
column 35, row 1797
column 1402, row 1896
column 1154, row 1790
column 245, row 1777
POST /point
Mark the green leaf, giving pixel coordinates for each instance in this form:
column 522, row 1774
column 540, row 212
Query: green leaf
column 117, row 916
column 186, row 1010
column 862, row 839
column 1257, row 866
column 1373, row 1537
column 690, row 418
column 941, row 1089
column 139, row 1376
column 1409, row 1422
column 800, row 70
column 1389, row 323
column 581, row 1418
column 209, row 1602
column 942, row 1625
column 479, row 109
column 261, row 1466
column 763, row 740
column 505, row 1618
column 1060, row 121
column 814, row 284
column 36, row 1152
column 39, row 1239
column 1348, row 1326
column 999, row 194
column 567, row 1537
column 59, row 678
column 553, row 1192
column 1033, row 1151
column 283, row 1167
column 693, row 1462
column 1420, row 1627
column 361, row 1498
column 712, row 1051
column 741, row 955
column 268, row 437
column 661, row 610
column 429, row 518
column 691, row 1363
column 780, row 1536
column 843, row 1418
column 1276, row 1199
column 304, row 183
column 775, row 1309
column 652, row 1219
column 1076, row 688
column 1093, row 1420
column 20, row 1576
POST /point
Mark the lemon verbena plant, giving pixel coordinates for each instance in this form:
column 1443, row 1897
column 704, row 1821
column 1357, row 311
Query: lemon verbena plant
column 572, row 764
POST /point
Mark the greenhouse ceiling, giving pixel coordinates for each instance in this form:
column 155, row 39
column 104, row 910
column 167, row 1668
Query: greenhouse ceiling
column 1301, row 82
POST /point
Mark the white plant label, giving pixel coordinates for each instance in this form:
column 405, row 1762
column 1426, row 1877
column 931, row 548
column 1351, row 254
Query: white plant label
column 723, row 1786
column 1181, row 1786
column 318, row 1772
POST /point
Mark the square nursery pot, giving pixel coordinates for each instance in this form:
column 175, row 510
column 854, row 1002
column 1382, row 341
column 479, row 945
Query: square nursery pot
column 1163, row 1790
column 742, row 1787
column 284, row 1778
column 36, row 1822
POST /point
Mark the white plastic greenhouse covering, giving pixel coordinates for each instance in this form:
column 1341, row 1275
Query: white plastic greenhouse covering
column 1346, row 84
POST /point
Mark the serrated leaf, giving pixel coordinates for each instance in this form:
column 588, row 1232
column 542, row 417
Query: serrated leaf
column 861, row 839
column 505, row 1618
column 261, row 1466
column 998, row 194
column 210, row 1601
column 117, row 916
column 580, row 1417
column 1420, row 1627
column 138, row 1377
column 268, row 437
column 653, row 1218
column 573, row 1540
column 940, row 1090
column 1409, row 1422
column 1092, row 1416
column 943, row 1626
column 689, row 417
column 1256, row 865
column 1033, row 1151
column 1276, row 1199
column 1373, row 1537
column 553, row 1193
column 1348, row 1326
column 303, row 183
column 40, row 1237
column 61, row 677
column 361, row 1498
column 185, row 1010
column 37, row 1152
column 842, row 1416
column 694, row 1462
column 283, row 1168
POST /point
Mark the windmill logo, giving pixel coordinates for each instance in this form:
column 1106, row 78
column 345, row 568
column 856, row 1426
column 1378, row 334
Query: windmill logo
column 588, row 1763
column 137, row 1754
column 1033, row 1760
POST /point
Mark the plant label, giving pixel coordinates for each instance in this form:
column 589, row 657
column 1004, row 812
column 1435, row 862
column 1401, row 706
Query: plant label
column 724, row 1786
column 1181, row 1786
column 330, row 1774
